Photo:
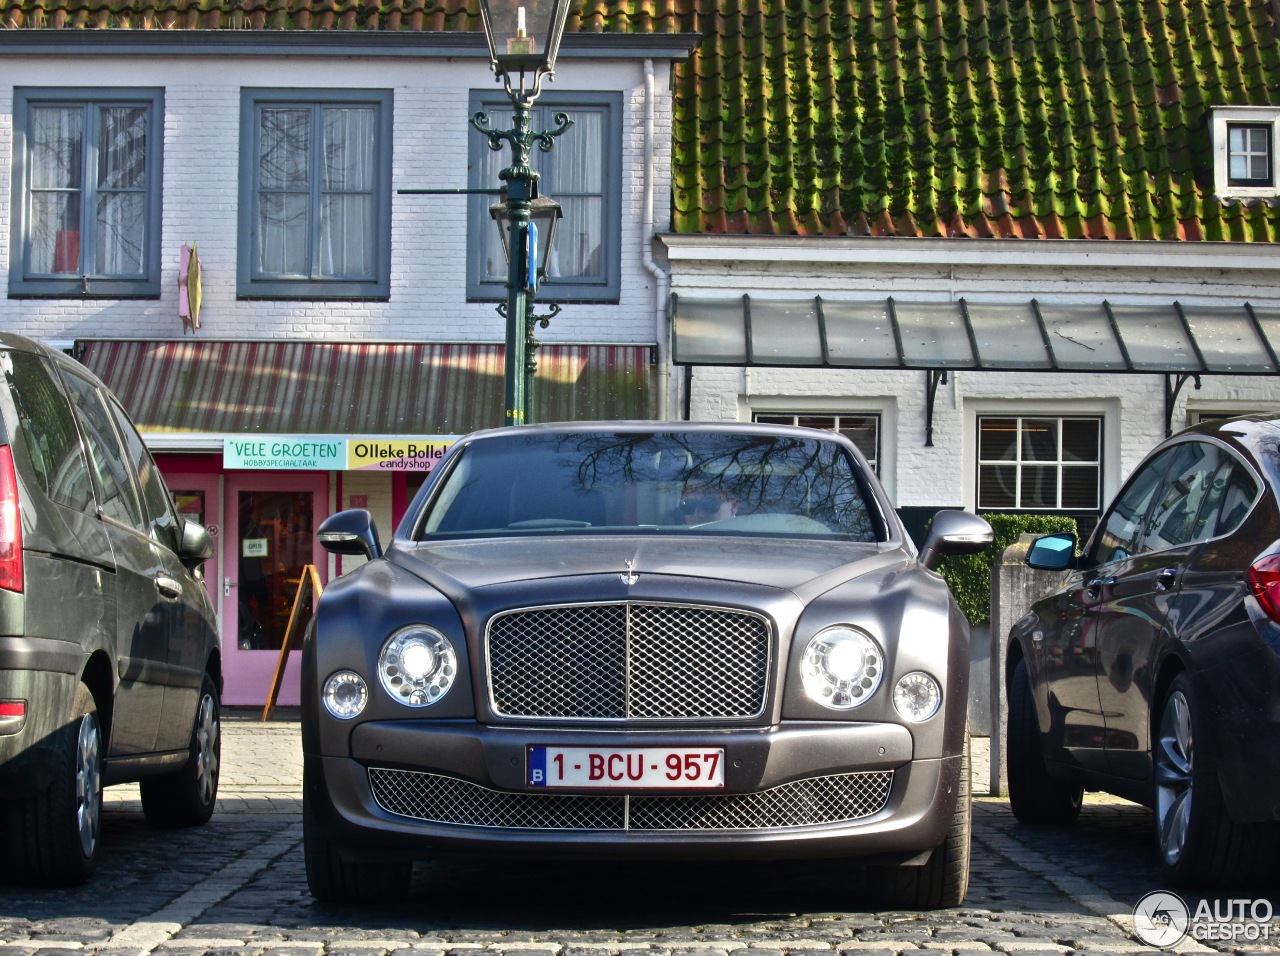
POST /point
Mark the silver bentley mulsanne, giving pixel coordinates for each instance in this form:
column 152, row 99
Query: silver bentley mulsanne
column 641, row 640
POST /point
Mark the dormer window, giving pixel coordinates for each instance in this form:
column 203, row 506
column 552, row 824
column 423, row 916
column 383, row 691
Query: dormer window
column 1249, row 154
column 1244, row 151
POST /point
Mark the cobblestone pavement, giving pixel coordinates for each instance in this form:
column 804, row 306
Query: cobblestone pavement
column 236, row 888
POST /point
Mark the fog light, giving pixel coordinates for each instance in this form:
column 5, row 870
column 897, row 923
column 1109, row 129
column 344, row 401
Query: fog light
column 917, row 697
column 417, row 665
column 842, row 667
column 345, row 694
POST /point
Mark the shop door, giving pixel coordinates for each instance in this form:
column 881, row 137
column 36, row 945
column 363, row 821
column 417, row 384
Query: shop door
column 268, row 538
column 199, row 498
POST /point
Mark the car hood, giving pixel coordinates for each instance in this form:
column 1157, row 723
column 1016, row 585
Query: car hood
column 769, row 562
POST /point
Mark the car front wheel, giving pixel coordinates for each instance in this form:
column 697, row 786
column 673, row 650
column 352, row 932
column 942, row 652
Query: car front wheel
column 1199, row 844
column 52, row 837
column 944, row 880
column 186, row 798
column 1034, row 796
column 333, row 879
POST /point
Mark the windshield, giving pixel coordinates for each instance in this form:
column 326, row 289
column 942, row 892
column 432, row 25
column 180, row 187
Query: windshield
column 683, row 482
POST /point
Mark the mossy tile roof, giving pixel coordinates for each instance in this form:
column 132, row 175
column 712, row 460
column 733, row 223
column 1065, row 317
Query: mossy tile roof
column 1018, row 118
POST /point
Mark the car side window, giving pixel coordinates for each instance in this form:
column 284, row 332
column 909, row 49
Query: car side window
column 49, row 435
column 119, row 501
column 1185, row 489
column 1121, row 529
column 1231, row 493
column 157, row 504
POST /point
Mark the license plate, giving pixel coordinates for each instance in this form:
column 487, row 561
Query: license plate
column 632, row 768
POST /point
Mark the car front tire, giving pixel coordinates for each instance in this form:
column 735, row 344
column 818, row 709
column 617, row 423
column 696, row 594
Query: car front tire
column 52, row 838
column 187, row 798
column 944, row 880
column 1034, row 796
column 1199, row 844
column 332, row 879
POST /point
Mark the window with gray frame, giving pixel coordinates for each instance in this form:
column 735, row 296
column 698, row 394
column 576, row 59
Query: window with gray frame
column 315, row 194
column 1040, row 463
column 86, row 193
column 1249, row 154
column 582, row 172
column 862, row 430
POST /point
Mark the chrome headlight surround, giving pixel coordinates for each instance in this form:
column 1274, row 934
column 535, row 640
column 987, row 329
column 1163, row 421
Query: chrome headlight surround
column 842, row 667
column 345, row 695
column 917, row 696
column 417, row 665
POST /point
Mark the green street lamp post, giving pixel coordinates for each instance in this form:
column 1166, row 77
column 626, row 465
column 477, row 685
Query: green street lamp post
column 523, row 38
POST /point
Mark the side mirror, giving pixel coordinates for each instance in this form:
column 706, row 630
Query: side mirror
column 955, row 532
column 195, row 546
column 350, row 532
column 1052, row 552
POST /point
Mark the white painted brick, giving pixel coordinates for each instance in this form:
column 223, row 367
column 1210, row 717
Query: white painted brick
column 200, row 201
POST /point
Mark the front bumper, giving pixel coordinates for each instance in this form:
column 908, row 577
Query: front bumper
column 801, row 790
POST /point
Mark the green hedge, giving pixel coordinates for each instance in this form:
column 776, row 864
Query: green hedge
column 969, row 575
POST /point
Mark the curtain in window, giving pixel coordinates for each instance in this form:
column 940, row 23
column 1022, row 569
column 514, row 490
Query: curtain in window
column 284, row 197
column 346, row 204
column 576, row 181
column 57, row 145
column 121, row 210
column 573, row 175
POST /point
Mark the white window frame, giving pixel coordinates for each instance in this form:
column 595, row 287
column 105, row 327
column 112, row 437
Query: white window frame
column 1222, row 119
column 1108, row 410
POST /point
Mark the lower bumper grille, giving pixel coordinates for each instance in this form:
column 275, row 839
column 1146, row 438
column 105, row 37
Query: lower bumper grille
column 838, row 798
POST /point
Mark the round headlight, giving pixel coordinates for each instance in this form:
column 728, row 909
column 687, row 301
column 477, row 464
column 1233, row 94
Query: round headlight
column 417, row 665
column 842, row 667
column 917, row 697
column 345, row 694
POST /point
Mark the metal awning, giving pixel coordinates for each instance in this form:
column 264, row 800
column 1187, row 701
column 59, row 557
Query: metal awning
column 278, row 387
column 1181, row 341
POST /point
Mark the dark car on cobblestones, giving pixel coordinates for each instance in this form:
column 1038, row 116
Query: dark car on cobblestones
column 109, row 654
column 1153, row 671
column 641, row 640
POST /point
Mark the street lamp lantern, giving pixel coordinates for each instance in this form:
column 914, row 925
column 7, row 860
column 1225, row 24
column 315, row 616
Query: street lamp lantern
column 523, row 38
column 544, row 214
column 523, row 35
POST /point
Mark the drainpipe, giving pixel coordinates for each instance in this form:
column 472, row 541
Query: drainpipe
column 660, row 276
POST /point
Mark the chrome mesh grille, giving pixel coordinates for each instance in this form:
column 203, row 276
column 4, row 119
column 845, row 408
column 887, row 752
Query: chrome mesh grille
column 628, row 661
column 838, row 798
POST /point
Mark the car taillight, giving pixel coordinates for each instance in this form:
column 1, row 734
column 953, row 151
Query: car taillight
column 10, row 525
column 1264, row 581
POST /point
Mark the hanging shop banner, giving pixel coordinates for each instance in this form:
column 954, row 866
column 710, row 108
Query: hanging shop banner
column 412, row 454
column 285, row 453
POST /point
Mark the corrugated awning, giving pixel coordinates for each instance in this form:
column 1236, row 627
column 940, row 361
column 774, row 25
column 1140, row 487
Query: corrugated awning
column 1174, row 339
column 274, row 387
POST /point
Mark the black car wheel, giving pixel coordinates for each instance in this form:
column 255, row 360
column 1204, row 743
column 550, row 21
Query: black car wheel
column 187, row 798
column 52, row 837
column 1199, row 844
column 944, row 880
column 1034, row 796
column 332, row 879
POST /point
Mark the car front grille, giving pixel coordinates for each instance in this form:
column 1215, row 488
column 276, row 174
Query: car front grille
column 628, row 661
column 816, row 801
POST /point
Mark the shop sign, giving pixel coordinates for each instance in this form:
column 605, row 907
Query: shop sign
column 412, row 454
column 285, row 453
column 302, row 453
